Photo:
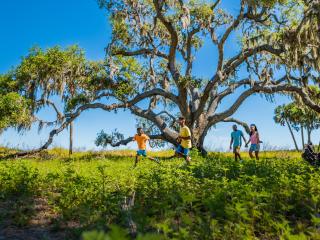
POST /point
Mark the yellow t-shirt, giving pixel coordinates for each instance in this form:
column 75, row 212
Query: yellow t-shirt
column 185, row 132
column 141, row 140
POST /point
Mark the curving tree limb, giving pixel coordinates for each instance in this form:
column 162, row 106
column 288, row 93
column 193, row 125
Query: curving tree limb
column 243, row 124
column 70, row 117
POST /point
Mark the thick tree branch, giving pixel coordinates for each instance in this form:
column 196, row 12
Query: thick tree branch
column 168, row 114
column 53, row 105
column 231, row 66
column 227, row 33
column 130, row 139
column 243, row 124
column 237, row 60
column 70, row 117
column 266, row 90
column 172, row 57
column 189, row 48
column 141, row 52
column 214, row 5
column 174, row 38
column 220, row 96
column 158, row 121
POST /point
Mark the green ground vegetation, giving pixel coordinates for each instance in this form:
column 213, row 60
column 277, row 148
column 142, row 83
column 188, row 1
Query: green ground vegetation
column 87, row 196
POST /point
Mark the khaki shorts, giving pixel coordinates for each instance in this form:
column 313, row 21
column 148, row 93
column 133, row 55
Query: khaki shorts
column 236, row 149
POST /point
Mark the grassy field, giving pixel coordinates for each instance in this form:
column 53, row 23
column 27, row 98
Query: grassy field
column 101, row 196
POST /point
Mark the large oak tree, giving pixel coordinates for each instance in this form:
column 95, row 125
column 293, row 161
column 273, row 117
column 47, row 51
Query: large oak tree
column 165, row 36
column 149, row 63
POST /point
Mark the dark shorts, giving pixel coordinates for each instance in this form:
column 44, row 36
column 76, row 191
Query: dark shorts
column 182, row 150
column 142, row 153
column 254, row 148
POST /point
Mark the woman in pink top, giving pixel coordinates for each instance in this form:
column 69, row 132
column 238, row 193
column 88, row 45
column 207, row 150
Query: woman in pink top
column 255, row 141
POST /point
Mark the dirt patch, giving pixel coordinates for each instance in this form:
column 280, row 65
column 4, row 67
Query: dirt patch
column 28, row 219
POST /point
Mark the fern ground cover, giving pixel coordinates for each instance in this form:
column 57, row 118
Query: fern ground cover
column 101, row 196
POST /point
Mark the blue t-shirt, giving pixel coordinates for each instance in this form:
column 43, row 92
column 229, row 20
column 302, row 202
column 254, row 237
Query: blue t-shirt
column 236, row 136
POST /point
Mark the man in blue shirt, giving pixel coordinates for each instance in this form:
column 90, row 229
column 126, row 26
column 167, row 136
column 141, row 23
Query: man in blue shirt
column 236, row 141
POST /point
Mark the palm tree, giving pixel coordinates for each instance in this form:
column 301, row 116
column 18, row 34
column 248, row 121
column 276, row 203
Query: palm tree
column 71, row 139
column 281, row 118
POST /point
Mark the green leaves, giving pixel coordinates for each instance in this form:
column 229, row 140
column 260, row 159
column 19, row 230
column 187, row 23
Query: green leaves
column 14, row 108
column 297, row 115
column 266, row 3
column 14, row 111
column 214, row 198
column 116, row 233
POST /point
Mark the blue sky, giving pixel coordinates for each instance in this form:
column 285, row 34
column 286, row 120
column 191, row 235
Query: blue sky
column 24, row 24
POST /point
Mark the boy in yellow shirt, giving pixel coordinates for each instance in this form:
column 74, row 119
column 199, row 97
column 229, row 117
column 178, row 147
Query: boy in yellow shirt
column 184, row 140
column 141, row 140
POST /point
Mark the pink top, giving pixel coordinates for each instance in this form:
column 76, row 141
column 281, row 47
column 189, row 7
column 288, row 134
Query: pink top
column 254, row 138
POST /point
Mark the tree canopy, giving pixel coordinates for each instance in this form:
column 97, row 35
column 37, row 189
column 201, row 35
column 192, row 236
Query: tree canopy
column 13, row 107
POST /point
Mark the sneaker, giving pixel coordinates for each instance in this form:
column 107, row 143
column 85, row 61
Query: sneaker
column 157, row 160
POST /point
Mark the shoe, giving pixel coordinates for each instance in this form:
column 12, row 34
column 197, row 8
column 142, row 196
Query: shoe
column 157, row 160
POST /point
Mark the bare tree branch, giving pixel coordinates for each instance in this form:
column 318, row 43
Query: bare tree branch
column 220, row 96
column 243, row 124
column 53, row 105
column 267, row 90
column 214, row 5
column 158, row 121
column 236, row 61
column 230, row 66
column 172, row 56
column 174, row 38
column 225, row 36
column 168, row 114
column 189, row 53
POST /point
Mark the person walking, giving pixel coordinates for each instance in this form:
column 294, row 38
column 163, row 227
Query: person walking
column 255, row 141
column 236, row 142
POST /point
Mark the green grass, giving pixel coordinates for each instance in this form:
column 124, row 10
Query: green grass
column 276, row 197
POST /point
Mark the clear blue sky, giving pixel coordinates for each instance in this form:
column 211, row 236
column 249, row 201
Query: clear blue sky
column 24, row 24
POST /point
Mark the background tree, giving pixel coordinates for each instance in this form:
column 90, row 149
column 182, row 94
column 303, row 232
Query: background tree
column 301, row 60
column 298, row 117
column 281, row 117
column 13, row 107
column 50, row 79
